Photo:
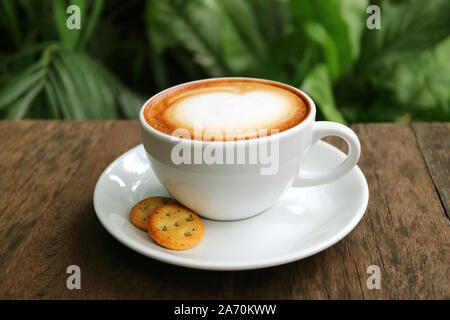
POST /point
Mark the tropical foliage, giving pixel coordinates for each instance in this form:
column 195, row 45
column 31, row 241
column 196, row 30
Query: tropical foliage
column 126, row 51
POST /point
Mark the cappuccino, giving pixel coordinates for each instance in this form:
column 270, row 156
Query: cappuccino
column 227, row 109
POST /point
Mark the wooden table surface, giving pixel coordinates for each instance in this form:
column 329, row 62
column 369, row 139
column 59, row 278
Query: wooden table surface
column 48, row 170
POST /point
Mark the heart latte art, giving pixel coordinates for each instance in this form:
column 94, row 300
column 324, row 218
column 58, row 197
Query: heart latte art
column 227, row 109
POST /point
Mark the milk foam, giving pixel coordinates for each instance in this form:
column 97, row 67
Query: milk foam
column 231, row 107
column 223, row 110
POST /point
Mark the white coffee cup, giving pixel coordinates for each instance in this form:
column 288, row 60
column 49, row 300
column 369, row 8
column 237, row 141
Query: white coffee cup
column 237, row 191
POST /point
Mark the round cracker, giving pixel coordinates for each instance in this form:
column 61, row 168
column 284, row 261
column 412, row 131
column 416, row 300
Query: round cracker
column 140, row 212
column 175, row 227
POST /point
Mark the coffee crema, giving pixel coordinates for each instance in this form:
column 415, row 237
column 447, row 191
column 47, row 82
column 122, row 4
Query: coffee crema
column 227, row 109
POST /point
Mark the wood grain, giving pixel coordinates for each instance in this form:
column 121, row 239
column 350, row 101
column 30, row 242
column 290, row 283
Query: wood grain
column 48, row 171
column 434, row 142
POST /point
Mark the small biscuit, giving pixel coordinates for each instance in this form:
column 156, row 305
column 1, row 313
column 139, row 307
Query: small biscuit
column 140, row 212
column 175, row 227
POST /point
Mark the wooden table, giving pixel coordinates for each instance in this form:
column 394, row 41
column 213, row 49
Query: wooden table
column 48, row 170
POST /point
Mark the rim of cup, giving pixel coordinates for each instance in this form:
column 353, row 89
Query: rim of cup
column 310, row 117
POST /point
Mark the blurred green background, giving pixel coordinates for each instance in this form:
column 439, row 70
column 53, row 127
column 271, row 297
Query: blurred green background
column 126, row 51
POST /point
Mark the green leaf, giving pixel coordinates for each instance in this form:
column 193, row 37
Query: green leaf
column 67, row 36
column 194, row 24
column 89, row 92
column 10, row 20
column 304, row 65
column 354, row 15
column 319, row 35
column 407, row 29
column 241, row 15
column 22, row 54
column 236, row 54
column 52, row 99
column 129, row 102
column 273, row 18
column 100, row 89
column 74, row 38
column 90, row 24
column 159, row 70
column 106, row 94
column 159, row 14
column 19, row 108
column 28, row 7
column 326, row 13
column 76, row 100
column 96, row 97
column 161, row 37
column 423, row 82
column 223, row 36
column 199, row 30
column 59, row 95
column 318, row 85
column 23, row 82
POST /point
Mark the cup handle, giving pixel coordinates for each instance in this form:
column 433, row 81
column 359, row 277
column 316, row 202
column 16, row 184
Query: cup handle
column 322, row 129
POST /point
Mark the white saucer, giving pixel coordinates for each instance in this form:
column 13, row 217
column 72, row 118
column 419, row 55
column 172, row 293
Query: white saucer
column 303, row 222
